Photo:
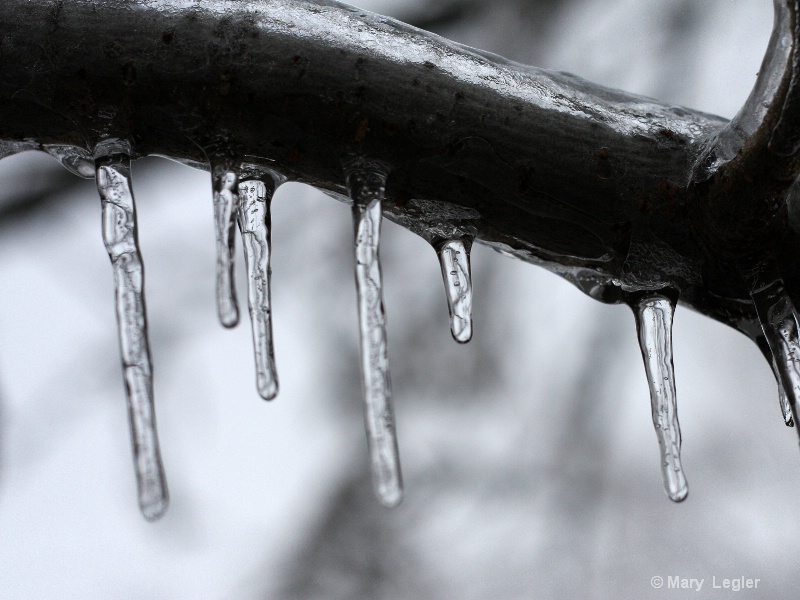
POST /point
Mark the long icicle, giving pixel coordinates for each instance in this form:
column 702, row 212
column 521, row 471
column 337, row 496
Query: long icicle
column 366, row 184
column 778, row 319
column 226, row 200
column 654, row 312
column 113, row 175
column 255, row 196
column 456, row 273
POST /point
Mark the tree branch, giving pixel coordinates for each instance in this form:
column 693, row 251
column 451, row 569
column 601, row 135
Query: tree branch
column 587, row 181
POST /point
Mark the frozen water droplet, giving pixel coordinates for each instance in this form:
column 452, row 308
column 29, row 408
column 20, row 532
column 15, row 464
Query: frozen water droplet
column 76, row 160
column 255, row 222
column 454, row 262
column 366, row 184
column 778, row 320
column 120, row 238
column 226, row 201
column 654, row 312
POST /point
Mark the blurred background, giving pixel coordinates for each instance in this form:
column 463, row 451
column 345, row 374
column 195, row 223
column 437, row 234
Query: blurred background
column 529, row 455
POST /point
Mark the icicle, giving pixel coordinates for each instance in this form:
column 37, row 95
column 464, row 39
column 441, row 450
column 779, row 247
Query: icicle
column 779, row 323
column 366, row 183
column 786, row 408
column 226, row 200
column 654, row 313
column 113, row 175
column 255, row 222
column 454, row 262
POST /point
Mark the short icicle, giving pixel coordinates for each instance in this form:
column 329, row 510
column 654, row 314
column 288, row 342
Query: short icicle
column 113, row 175
column 654, row 312
column 456, row 273
column 255, row 196
column 366, row 182
column 226, row 201
column 783, row 399
column 778, row 319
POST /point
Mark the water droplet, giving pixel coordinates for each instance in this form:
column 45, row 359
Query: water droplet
column 454, row 261
column 778, row 320
column 254, row 222
column 366, row 184
column 226, row 204
column 654, row 312
column 113, row 177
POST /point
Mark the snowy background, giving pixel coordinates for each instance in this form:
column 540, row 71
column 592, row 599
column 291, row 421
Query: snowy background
column 530, row 460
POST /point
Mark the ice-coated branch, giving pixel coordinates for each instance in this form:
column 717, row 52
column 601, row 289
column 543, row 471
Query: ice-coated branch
column 621, row 195
column 543, row 165
column 742, row 182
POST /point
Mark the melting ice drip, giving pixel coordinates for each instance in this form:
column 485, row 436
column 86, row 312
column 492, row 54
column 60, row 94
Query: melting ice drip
column 366, row 182
column 654, row 314
column 113, row 176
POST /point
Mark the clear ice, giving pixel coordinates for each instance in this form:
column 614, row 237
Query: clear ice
column 753, row 330
column 113, row 175
column 76, row 160
column 226, row 201
column 366, row 186
column 454, row 261
column 254, row 222
column 783, row 399
column 786, row 408
column 779, row 323
column 654, row 314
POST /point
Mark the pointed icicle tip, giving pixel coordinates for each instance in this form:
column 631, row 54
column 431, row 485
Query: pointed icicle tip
column 654, row 312
column 783, row 399
column 225, row 180
column 255, row 225
column 779, row 323
column 786, row 408
column 366, row 182
column 113, row 176
column 456, row 274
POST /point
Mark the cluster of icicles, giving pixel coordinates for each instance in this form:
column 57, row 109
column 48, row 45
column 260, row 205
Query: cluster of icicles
column 244, row 198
